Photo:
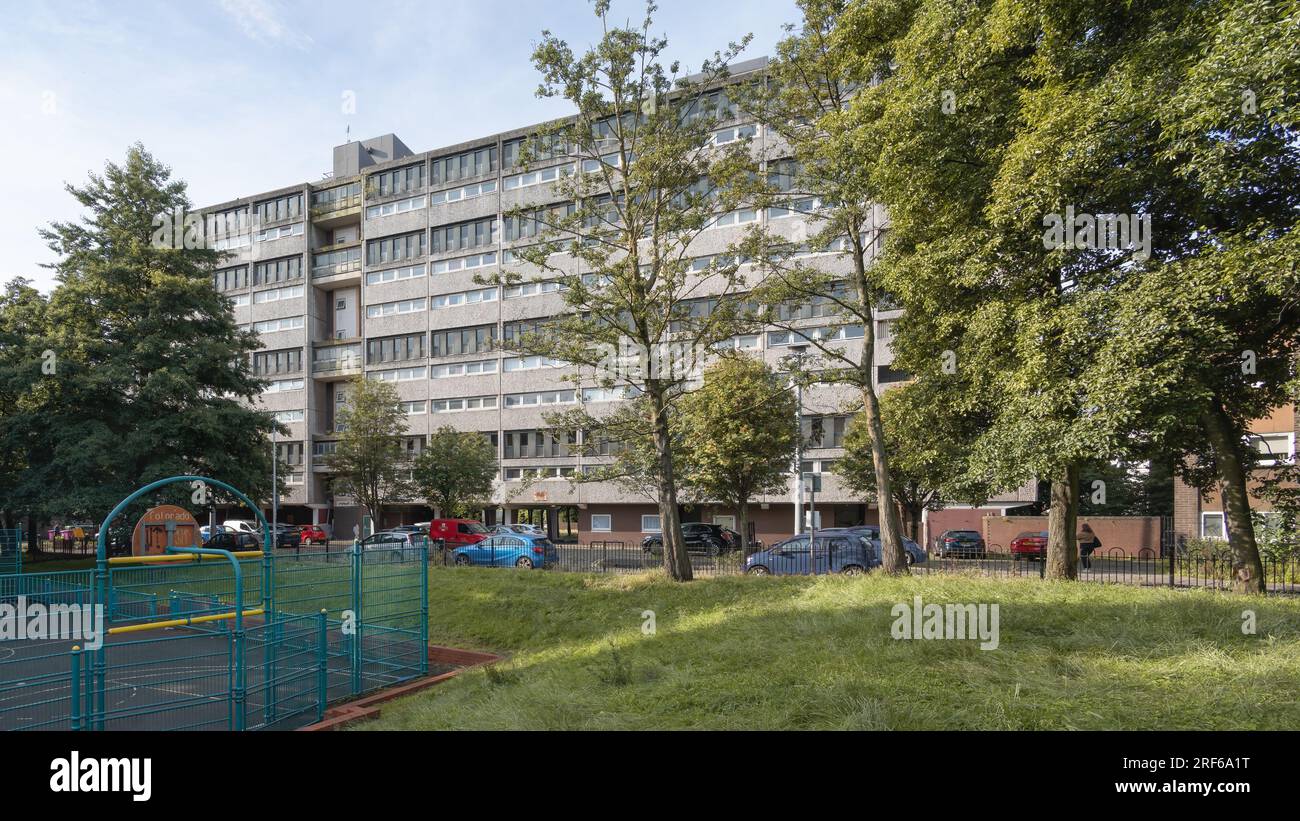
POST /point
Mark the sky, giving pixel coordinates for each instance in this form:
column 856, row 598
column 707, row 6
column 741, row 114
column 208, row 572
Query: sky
column 244, row 96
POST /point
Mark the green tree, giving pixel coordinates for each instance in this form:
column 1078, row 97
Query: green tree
column 617, row 233
column 23, row 397
column 929, row 464
column 817, row 169
column 149, row 374
column 738, row 434
column 369, row 461
column 455, row 471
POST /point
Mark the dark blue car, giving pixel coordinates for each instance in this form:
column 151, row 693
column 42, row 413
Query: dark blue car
column 519, row 550
column 833, row 552
column 915, row 553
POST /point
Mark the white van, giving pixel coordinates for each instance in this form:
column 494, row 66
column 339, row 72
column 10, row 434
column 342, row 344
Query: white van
column 242, row 526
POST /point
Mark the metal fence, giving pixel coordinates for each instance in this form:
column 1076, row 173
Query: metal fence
column 11, row 550
column 1143, row 566
column 331, row 625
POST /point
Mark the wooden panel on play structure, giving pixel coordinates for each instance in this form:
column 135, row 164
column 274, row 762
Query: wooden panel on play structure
column 150, row 535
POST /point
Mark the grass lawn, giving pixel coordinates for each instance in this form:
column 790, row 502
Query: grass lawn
column 796, row 653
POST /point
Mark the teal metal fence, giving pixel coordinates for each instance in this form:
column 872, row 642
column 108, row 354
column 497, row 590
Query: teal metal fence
column 333, row 625
column 11, row 550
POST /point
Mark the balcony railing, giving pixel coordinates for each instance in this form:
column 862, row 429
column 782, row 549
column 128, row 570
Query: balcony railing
column 336, row 358
column 335, row 206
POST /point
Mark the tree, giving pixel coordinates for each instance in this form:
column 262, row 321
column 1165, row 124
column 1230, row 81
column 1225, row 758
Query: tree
column 738, row 434
column 1121, row 132
column 369, row 461
column 147, row 373
column 455, row 471
column 616, row 234
column 23, row 397
column 818, row 171
column 928, row 463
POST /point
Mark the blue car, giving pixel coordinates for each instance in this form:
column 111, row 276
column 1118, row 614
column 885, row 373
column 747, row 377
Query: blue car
column 206, row 532
column 520, row 550
column 915, row 553
column 833, row 552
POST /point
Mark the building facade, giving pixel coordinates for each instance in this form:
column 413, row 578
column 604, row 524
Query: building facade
column 371, row 273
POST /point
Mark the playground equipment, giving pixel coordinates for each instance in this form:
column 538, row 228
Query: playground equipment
column 202, row 638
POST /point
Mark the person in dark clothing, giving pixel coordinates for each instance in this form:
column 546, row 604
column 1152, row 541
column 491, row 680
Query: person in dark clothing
column 1088, row 543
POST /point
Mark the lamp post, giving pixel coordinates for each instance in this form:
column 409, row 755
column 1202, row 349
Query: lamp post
column 275, row 492
column 798, row 351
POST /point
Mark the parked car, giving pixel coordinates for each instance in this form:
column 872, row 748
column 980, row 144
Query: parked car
column 915, row 553
column 206, row 531
column 413, row 529
column 401, row 545
column 966, row 544
column 518, row 529
column 234, row 542
column 699, row 537
column 243, row 526
column 455, row 533
column 508, row 550
column 838, row 551
column 1029, row 545
column 313, row 535
column 287, row 536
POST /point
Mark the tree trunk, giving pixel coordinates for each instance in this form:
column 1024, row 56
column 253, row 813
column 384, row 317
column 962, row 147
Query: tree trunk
column 742, row 524
column 1062, row 546
column 677, row 564
column 1247, row 569
column 33, row 537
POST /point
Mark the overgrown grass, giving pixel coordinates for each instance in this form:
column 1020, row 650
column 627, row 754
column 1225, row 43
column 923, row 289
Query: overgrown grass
column 794, row 653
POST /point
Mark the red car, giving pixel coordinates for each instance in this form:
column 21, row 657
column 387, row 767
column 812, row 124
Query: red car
column 457, row 532
column 1029, row 545
column 313, row 534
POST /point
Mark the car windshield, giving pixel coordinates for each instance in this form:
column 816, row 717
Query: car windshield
column 475, row 527
column 964, row 534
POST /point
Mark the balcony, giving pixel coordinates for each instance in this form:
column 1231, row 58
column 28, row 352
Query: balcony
column 337, row 263
column 333, row 362
column 337, row 206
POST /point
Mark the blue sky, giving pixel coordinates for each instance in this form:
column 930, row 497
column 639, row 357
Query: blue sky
column 242, row 96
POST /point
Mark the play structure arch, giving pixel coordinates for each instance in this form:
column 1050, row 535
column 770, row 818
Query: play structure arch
column 101, row 543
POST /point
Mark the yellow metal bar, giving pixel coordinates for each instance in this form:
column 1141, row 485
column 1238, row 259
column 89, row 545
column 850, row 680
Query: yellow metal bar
column 158, row 625
column 179, row 557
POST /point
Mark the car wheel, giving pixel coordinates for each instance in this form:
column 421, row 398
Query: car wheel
column 462, row 559
column 758, row 570
column 853, row 570
column 712, row 548
column 524, row 563
column 910, row 558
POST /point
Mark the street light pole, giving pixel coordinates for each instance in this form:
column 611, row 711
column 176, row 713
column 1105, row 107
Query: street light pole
column 798, row 351
column 275, row 493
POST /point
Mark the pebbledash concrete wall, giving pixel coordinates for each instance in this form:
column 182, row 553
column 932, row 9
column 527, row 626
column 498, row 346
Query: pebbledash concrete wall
column 1130, row 535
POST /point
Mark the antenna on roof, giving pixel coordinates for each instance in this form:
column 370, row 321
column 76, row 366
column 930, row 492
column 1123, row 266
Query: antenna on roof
column 348, row 133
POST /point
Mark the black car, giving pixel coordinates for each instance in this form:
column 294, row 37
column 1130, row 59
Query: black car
column 966, row 544
column 287, row 536
column 700, row 538
column 234, row 542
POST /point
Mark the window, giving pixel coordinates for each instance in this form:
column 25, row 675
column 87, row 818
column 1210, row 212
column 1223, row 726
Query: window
column 886, row 375
column 397, row 181
column 387, row 209
column 280, row 208
column 825, row 431
column 278, row 270
column 289, row 323
column 829, row 334
column 650, row 523
column 290, row 416
column 729, row 522
column 1273, row 447
column 517, row 474
column 412, row 408
column 608, row 394
column 541, row 148
column 476, row 339
column 228, row 279
column 482, row 366
column 464, row 298
column 401, row 306
column 466, row 403
column 1212, row 526
column 534, row 288
column 730, row 135
column 528, row 363
column 523, row 400
column 239, row 300
column 395, row 248
column 602, row 522
column 737, row 217
column 464, row 193
column 277, row 294
column 393, row 274
column 395, row 348
column 542, row 175
column 524, row 444
column 288, row 360
column 333, row 199
column 284, row 385
column 468, row 164
column 538, row 221
column 397, row 375
column 514, row 332
column 443, row 266
column 464, row 235
column 228, row 229
column 281, row 232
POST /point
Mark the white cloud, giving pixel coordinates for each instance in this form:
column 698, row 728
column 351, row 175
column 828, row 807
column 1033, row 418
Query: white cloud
column 261, row 20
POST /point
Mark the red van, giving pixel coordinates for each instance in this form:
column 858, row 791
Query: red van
column 456, row 533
